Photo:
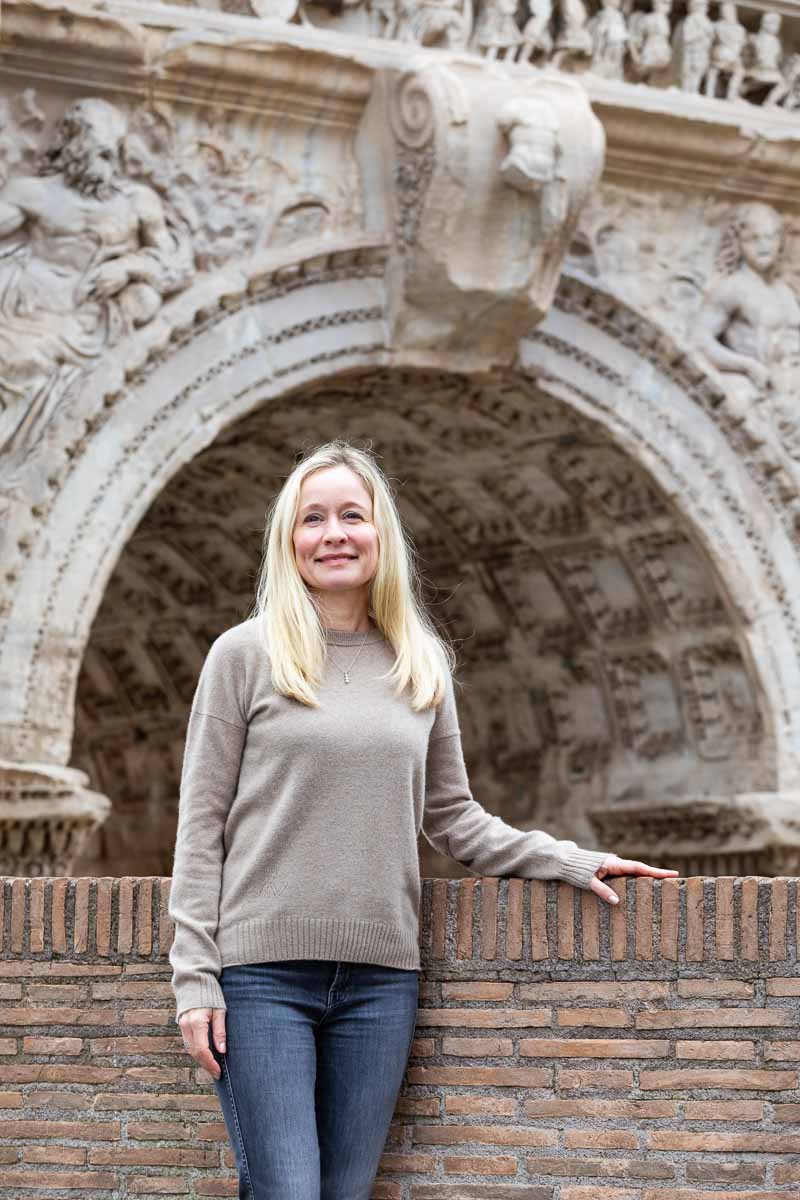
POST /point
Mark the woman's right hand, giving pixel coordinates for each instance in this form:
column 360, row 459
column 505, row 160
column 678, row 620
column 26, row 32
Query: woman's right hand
column 194, row 1028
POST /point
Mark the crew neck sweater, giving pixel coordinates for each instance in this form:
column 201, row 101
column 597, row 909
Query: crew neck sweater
column 297, row 826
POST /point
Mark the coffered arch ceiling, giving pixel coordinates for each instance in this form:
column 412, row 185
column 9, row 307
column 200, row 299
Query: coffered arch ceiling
column 600, row 661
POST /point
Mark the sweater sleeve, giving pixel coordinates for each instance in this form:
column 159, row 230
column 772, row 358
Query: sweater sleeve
column 215, row 740
column 456, row 825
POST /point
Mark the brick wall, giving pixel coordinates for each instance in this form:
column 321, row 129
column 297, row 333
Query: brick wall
column 565, row 1050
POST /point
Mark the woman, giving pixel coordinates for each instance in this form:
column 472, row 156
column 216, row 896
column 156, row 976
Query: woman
column 323, row 734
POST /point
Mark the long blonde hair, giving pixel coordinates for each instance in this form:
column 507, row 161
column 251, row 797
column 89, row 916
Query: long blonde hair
column 290, row 629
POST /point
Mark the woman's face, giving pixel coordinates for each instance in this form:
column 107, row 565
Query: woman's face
column 335, row 542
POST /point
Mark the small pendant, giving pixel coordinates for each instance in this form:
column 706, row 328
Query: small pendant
column 346, row 677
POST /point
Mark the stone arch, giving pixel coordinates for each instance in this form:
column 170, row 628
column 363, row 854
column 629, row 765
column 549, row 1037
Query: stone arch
column 307, row 332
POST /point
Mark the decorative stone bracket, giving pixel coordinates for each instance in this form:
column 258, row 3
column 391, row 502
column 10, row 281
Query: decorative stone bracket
column 489, row 173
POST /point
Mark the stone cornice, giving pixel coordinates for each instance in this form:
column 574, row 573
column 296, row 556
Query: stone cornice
column 162, row 52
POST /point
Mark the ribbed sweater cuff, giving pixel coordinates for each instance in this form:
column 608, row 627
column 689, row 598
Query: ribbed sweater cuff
column 579, row 866
column 203, row 992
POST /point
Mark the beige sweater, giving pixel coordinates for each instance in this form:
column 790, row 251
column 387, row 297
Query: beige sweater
column 297, row 827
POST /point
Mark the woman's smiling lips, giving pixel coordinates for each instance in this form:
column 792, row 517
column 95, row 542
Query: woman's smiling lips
column 336, row 558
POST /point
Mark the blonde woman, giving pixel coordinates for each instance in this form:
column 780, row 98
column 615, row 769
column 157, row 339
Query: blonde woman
column 323, row 735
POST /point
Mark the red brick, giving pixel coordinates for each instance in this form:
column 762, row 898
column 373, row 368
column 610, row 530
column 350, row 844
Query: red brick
column 492, row 1135
column 783, row 987
column 715, row 989
column 600, row 1017
column 723, row 1110
column 482, row 1076
column 728, row 1018
column 670, row 903
column 610, row 1109
column 152, row 1156
column 77, row 1181
column 65, row 1156
column 749, row 918
column 717, row 1049
column 724, row 1172
column 488, row 890
column 723, row 925
column 497, row 1164
column 565, row 919
column 484, row 1018
column 782, row 1051
column 157, row 1185
column 609, row 1080
column 711, row 1140
column 478, row 1047
column 643, row 939
column 719, row 1078
column 514, row 919
column 604, row 1139
column 52, row 1045
column 496, row 1106
column 592, row 1048
column 89, row 1131
column 479, row 989
column 595, row 989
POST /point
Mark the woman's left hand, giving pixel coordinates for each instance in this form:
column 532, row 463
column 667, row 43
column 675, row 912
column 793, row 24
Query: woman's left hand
column 612, row 865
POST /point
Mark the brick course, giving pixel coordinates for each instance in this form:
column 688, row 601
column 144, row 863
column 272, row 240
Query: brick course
column 564, row 1051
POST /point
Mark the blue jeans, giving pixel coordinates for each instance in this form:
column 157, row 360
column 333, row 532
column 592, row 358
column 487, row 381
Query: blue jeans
column 315, row 1055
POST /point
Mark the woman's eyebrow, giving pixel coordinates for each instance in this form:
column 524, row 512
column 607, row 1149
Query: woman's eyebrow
column 345, row 504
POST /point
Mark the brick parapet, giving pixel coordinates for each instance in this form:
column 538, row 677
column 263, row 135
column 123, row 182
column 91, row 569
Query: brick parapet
column 565, row 1049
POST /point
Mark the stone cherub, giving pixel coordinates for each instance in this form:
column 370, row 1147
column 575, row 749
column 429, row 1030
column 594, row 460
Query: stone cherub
column 85, row 255
column 749, row 325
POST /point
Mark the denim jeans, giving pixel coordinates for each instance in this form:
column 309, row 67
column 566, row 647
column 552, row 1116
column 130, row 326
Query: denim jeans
column 315, row 1055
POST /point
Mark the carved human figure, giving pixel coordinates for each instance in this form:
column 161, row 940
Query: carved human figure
column 531, row 166
column 649, row 46
column 788, row 94
column 536, row 37
column 693, row 40
column 383, row 18
column 85, row 255
column 609, row 34
column 764, row 57
column 573, row 37
column 496, row 32
column 434, row 22
column 726, row 62
column 749, row 325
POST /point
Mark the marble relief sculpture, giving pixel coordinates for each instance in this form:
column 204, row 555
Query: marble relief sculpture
column 693, row 40
column 609, row 35
column 85, row 255
column 650, row 49
column 704, row 48
column 726, row 66
column 749, row 326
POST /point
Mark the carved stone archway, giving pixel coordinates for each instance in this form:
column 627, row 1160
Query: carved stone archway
column 301, row 340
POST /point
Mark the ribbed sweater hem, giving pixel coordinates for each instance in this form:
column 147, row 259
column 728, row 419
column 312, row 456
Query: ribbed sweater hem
column 288, row 937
